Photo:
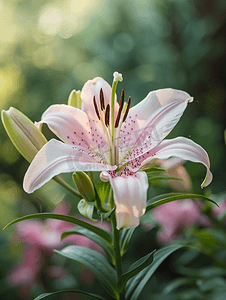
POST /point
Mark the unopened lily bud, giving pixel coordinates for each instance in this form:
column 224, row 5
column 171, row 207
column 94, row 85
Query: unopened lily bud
column 86, row 209
column 84, row 186
column 75, row 99
column 27, row 139
column 104, row 176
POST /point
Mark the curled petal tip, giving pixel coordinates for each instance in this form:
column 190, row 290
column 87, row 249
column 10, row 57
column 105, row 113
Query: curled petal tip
column 191, row 99
column 207, row 180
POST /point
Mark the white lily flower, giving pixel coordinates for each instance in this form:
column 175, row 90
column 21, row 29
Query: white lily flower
column 111, row 137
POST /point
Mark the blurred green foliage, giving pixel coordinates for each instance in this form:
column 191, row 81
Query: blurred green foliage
column 48, row 48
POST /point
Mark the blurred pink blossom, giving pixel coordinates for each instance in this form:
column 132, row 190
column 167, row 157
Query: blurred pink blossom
column 177, row 216
column 174, row 217
column 39, row 239
column 217, row 211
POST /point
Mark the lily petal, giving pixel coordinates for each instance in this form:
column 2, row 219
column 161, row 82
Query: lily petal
column 130, row 196
column 151, row 120
column 56, row 157
column 180, row 147
column 92, row 88
column 73, row 126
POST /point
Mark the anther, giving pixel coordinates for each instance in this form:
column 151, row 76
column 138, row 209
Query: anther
column 95, row 106
column 107, row 114
column 102, row 100
column 120, row 108
column 127, row 110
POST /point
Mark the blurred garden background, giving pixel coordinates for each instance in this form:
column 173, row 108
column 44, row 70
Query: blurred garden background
column 48, row 48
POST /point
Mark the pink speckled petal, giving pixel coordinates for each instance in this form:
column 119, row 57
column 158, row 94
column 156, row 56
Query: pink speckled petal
column 92, row 88
column 56, row 157
column 150, row 121
column 73, row 126
column 130, row 195
column 179, row 147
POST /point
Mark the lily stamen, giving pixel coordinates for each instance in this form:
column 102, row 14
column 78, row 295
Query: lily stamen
column 102, row 100
column 120, row 109
column 127, row 110
column 96, row 108
column 107, row 115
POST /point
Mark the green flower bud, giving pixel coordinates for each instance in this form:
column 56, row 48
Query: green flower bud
column 27, row 139
column 84, row 186
column 75, row 99
column 86, row 209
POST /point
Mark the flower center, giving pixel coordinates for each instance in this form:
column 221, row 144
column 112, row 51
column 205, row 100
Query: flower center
column 109, row 122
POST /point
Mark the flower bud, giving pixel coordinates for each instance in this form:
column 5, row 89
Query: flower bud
column 27, row 139
column 84, row 186
column 104, row 176
column 86, row 209
column 75, row 99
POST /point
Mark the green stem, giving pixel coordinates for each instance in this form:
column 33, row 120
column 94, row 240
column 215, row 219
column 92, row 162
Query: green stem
column 67, row 186
column 116, row 245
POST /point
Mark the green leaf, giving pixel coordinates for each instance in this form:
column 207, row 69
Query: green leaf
column 46, row 295
column 136, row 268
column 103, row 189
column 153, row 170
column 96, row 263
column 104, row 216
column 106, row 235
column 163, row 177
column 136, row 284
column 126, row 236
column 94, row 237
column 177, row 283
column 165, row 198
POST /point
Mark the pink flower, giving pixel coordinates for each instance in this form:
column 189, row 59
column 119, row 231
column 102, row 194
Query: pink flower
column 174, row 217
column 217, row 211
column 111, row 137
column 174, row 167
column 40, row 239
column 47, row 234
column 25, row 274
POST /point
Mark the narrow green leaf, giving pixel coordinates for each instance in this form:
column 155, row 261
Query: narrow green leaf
column 177, row 283
column 126, row 236
column 104, row 216
column 46, row 295
column 163, row 177
column 136, row 284
column 95, row 238
column 136, row 268
column 165, row 198
column 154, row 170
column 106, row 235
column 96, row 263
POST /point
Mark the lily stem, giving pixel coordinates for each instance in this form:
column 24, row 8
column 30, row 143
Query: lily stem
column 67, row 186
column 116, row 244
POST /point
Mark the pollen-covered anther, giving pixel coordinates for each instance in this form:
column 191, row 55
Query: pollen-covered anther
column 96, row 108
column 120, row 109
column 127, row 110
column 107, row 115
column 102, row 99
